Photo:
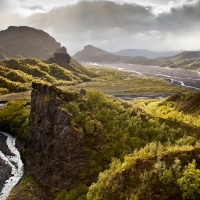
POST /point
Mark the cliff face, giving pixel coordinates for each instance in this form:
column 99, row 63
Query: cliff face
column 54, row 146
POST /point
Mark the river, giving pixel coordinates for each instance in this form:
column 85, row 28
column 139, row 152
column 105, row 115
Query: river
column 10, row 160
column 183, row 77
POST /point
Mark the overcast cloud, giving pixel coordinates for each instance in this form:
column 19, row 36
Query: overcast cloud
column 113, row 26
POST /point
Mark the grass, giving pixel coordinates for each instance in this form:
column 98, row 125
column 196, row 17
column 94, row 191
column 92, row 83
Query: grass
column 112, row 81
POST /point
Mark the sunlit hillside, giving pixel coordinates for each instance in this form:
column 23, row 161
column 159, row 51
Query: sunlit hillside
column 17, row 74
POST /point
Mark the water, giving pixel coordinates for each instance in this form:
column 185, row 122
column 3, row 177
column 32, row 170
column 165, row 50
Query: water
column 16, row 165
column 183, row 77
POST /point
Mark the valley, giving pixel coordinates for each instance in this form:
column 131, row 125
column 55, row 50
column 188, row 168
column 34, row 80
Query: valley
column 183, row 77
column 97, row 126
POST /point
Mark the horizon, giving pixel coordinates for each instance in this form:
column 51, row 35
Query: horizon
column 110, row 25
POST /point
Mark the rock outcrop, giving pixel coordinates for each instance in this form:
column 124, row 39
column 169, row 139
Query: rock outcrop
column 61, row 55
column 55, row 154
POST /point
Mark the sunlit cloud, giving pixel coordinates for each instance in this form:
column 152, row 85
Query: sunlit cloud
column 111, row 26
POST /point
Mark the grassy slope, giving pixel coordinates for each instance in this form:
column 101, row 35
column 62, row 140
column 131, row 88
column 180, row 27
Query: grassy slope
column 186, row 60
column 17, row 74
column 183, row 108
column 115, row 82
column 151, row 173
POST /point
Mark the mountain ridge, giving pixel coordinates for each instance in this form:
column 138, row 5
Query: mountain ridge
column 94, row 54
column 27, row 42
column 186, row 59
column 146, row 53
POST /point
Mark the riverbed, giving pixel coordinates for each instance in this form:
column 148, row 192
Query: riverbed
column 178, row 76
column 11, row 166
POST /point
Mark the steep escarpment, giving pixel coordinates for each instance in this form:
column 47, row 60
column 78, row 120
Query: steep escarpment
column 54, row 145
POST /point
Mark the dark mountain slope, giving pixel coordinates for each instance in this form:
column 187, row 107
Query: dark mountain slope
column 22, row 41
column 94, row 54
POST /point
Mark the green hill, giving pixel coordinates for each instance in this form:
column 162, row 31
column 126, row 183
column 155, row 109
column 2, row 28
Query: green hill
column 151, row 173
column 187, row 103
column 17, row 74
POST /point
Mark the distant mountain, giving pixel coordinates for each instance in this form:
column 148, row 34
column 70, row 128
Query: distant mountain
column 187, row 59
column 94, row 54
column 146, row 53
column 22, row 41
column 187, row 55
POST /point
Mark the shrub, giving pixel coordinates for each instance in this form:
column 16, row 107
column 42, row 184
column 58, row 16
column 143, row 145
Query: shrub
column 189, row 182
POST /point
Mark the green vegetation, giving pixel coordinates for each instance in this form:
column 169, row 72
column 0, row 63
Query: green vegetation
column 153, row 172
column 78, row 193
column 17, row 74
column 139, row 148
column 112, row 81
column 14, row 118
column 168, row 109
column 138, row 155
column 186, row 60
column 30, row 189
column 122, row 129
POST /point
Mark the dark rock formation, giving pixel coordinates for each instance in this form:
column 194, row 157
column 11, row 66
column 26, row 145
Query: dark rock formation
column 5, row 168
column 54, row 146
column 61, row 50
column 60, row 55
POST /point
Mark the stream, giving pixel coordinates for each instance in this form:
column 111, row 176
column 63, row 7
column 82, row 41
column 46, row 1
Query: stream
column 12, row 168
column 178, row 76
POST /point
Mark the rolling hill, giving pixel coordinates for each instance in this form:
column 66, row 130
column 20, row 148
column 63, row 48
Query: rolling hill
column 26, row 42
column 17, row 74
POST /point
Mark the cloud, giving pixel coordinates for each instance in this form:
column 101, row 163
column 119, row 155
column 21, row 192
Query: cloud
column 7, row 6
column 113, row 26
column 182, row 19
column 36, row 7
column 95, row 16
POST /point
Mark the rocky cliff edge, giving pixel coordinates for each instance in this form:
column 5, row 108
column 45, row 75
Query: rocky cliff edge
column 54, row 146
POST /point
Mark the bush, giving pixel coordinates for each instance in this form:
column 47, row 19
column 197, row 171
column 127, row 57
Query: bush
column 14, row 118
column 189, row 183
column 77, row 193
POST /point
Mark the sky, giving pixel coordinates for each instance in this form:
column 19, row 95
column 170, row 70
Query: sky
column 157, row 25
